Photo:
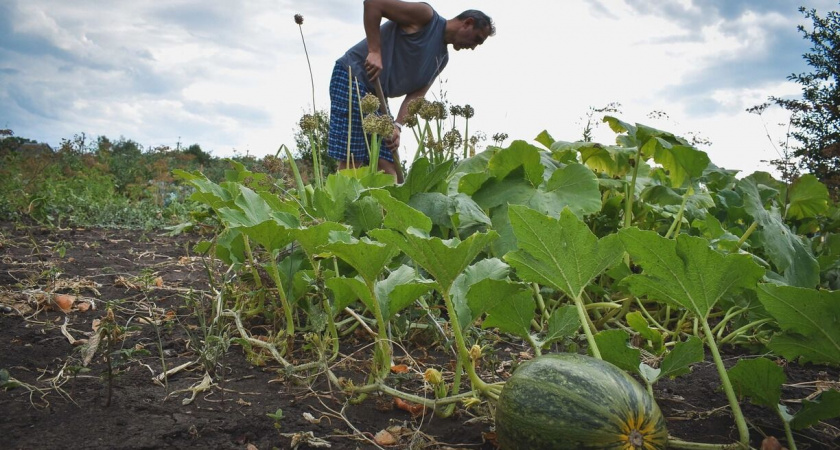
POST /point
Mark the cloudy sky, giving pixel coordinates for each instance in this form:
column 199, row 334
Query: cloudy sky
column 235, row 79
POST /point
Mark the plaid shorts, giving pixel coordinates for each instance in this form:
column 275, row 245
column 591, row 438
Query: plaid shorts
column 340, row 104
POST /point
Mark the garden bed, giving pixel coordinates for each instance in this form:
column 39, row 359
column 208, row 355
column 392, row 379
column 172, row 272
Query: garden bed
column 156, row 287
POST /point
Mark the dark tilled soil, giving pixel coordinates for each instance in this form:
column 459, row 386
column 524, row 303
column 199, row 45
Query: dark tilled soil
column 150, row 275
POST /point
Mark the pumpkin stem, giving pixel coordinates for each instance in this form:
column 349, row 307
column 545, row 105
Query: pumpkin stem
column 636, row 439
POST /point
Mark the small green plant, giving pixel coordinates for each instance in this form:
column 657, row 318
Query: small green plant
column 277, row 416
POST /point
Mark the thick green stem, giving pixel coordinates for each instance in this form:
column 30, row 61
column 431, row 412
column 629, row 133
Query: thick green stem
column 788, row 433
column 463, row 354
column 284, row 302
column 382, row 362
column 456, row 386
column 678, row 220
column 729, row 337
column 747, row 234
column 584, row 321
column 631, row 191
column 685, row 445
column 740, row 421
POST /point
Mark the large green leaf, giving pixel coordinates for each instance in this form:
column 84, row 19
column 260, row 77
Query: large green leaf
column 825, row 406
column 258, row 220
column 313, row 237
column 681, row 357
column 562, row 253
column 564, row 322
column 509, row 305
column 518, row 154
column 348, row 290
column 339, row 191
column 400, row 289
column 364, row 214
column 759, row 379
column 611, row 160
column 614, row 348
column 808, row 198
column 682, row 162
column 443, row 259
column 686, row 272
column 401, row 216
column 369, row 258
column 810, row 321
column 790, row 253
column 423, row 176
column 487, row 268
column 575, row 187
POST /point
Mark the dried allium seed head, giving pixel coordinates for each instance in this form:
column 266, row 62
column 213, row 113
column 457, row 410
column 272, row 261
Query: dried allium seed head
column 309, row 123
column 455, row 110
column 298, row 19
column 468, row 111
column 428, row 111
column 369, row 104
column 441, row 110
column 415, row 105
column 381, row 125
column 272, row 164
column 411, row 121
column 452, row 139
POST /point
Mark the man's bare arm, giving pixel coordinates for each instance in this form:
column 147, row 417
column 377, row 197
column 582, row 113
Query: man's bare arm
column 410, row 16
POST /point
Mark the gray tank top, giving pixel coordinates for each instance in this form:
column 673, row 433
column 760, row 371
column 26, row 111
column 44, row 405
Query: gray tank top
column 410, row 60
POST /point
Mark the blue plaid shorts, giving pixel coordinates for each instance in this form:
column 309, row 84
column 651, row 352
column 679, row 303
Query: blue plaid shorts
column 340, row 104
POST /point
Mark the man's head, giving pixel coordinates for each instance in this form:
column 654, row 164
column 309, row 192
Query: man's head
column 472, row 28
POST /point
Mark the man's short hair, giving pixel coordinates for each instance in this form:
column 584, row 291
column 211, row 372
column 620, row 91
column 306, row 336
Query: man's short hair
column 482, row 21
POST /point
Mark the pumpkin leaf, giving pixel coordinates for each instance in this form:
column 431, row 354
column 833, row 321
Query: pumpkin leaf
column 678, row 361
column 399, row 290
column 808, row 319
column 825, row 406
column 488, row 268
column 443, row 259
column 562, row 253
column 399, row 215
column 509, row 305
column 638, row 323
column 685, row 272
column 313, row 237
column 808, row 198
column 790, row 253
column 369, row 258
column 759, row 379
column 614, row 349
column 564, row 322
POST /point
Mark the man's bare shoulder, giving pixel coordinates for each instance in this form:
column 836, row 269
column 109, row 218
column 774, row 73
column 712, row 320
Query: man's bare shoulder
column 411, row 16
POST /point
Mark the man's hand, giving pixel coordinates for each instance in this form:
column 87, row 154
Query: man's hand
column 394, row 142
column 373, row 65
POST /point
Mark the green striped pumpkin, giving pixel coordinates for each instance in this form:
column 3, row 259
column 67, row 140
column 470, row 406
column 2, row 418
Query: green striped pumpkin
column 571, row 401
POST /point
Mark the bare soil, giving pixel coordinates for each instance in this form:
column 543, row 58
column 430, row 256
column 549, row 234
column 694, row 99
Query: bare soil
column 148, row 275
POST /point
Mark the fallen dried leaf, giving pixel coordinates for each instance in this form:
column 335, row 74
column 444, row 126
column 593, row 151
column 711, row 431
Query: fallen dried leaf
column 159, row 282
column 414, row 408
column 399, row 368
column 383, row 437
column 63, row 302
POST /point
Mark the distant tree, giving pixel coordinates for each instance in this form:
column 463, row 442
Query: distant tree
column 201, row 157
column 815, row 118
